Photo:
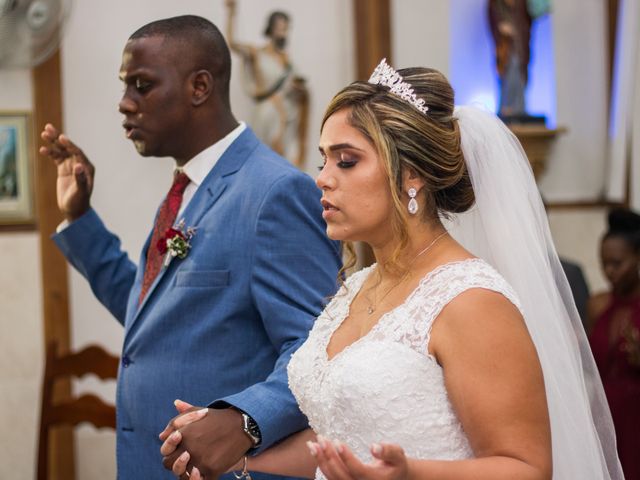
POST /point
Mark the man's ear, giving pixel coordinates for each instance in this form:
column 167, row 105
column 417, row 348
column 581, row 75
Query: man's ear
column 201, row 85
column 410, row 178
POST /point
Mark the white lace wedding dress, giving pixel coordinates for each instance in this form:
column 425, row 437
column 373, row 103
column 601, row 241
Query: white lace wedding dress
column 386, row 386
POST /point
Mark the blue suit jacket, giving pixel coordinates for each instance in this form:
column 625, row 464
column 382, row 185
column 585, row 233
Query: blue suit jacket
column 222, row 323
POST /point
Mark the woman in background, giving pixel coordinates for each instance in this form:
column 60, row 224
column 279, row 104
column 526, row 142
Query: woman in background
column 614, row 319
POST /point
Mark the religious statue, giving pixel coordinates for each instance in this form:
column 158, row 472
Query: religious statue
column 511, row 29
column 510, row 22
column 279, row 94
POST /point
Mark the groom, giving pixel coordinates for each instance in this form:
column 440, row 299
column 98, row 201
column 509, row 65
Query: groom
column 234, row 271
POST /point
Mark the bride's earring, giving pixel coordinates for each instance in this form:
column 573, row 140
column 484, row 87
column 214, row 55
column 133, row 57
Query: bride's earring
column 413, row 204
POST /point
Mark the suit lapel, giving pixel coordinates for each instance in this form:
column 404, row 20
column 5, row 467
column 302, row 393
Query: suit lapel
column 205, row 197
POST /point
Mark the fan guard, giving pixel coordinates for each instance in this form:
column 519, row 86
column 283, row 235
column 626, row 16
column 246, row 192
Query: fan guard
column 30, row 30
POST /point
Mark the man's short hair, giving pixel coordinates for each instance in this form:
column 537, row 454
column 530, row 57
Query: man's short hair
column 198, row 36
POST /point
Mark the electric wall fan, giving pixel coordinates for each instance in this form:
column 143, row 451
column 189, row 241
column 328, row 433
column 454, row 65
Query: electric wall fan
column 30, row 30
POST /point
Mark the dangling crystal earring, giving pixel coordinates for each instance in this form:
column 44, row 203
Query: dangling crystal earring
column 413, row 204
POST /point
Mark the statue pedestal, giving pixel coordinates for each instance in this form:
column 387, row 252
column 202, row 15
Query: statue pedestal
column 536, row 141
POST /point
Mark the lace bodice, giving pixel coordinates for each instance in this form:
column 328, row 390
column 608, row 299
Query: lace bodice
column 386, row 386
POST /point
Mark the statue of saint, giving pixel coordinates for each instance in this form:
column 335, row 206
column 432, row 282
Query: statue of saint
column 280, row 96
column 511, row 29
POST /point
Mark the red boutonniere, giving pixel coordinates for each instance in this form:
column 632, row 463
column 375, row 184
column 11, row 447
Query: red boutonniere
column 175, row 242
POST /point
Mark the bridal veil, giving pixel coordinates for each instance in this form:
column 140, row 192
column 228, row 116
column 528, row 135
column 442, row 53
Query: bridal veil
column 508, row 228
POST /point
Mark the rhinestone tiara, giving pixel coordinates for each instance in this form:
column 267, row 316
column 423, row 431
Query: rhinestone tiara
column 385, row 75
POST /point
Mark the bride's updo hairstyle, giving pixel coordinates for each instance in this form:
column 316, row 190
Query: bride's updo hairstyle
column 406, row 138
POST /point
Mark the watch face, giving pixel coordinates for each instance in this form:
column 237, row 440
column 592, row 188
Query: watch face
column 252, row 429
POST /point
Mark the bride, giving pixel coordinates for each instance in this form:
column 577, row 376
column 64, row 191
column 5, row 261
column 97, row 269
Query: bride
column 459, row 353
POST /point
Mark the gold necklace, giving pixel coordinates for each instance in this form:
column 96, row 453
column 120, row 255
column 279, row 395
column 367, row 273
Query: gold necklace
column 373, row 305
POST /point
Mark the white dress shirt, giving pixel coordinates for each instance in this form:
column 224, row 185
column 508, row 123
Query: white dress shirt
column 199, row 166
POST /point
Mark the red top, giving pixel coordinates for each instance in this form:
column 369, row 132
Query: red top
column 620, row 377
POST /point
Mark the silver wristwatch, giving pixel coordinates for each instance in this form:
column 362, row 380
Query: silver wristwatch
column 252, row 430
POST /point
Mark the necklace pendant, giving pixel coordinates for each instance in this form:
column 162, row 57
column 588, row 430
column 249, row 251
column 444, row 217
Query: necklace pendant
column 370, row 309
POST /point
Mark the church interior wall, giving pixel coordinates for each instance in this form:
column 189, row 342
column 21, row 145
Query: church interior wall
column 322, row 47
column 21, row 355
column 420, row 33
column 576, row 169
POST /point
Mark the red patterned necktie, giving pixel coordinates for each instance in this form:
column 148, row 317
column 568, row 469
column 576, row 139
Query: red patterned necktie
column 165, row 220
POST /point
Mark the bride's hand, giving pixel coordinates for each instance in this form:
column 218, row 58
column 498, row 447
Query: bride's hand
column 337, row 461
column 195, row 474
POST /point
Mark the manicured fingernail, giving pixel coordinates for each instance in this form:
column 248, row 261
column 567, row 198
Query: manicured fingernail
column 184, row 457
column 203, row 411
column 195, row 470
column 175, row 436
column 338, row 446
column 376, row 448
column 313, row 450
column 322, row 442
column 176, row 401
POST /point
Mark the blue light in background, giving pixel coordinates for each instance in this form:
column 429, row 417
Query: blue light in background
column 541, row 90
column 618, row 72
column 472, row 63
column 472, row 70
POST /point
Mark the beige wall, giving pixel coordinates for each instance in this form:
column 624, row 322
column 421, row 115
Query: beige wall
column 576, row 167
column 576, row 234
column 21, row 352
column 429, row 21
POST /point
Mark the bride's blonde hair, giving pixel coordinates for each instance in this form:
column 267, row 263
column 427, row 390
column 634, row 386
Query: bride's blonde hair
column 406, row 138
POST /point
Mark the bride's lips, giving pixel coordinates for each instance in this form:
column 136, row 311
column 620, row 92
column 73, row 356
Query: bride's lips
column 328, row 209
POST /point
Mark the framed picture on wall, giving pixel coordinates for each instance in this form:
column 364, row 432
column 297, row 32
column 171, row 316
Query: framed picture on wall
column 16, row 170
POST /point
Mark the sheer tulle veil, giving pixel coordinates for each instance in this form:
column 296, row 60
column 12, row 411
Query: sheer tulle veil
column 508, row 228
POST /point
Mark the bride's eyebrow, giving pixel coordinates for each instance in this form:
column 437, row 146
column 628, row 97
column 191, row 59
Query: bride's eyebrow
column 339, row 146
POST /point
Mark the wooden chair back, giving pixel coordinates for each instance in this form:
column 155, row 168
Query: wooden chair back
column 73, row 410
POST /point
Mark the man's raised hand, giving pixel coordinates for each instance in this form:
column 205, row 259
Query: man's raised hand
column 75, row 172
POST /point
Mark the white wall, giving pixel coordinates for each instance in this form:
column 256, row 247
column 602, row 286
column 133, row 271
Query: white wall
column 420, row 34
column 21, row 352
column 577, row 162
column 624, row 131
column 576, row 234
column 21, row 355
column 128, row 187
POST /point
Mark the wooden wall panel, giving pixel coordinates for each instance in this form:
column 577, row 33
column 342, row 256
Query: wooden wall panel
column 47, row 101
column 372, row 20
column 373, row 34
